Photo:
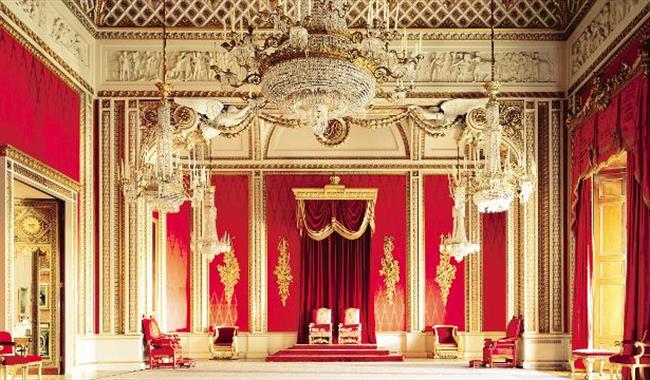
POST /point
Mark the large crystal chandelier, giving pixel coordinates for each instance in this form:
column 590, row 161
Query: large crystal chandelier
column 160, row 178
column 315, row 69
column 157, row 177
column 457, row 245
column 495, row 185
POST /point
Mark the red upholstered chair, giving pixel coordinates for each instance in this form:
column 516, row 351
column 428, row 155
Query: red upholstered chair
column 633, row 355
column 446, row 344
column 223, row 342
column 320, row 330
column 162, row 350
column 505, row 348
column 9, row 358
column 350, row 328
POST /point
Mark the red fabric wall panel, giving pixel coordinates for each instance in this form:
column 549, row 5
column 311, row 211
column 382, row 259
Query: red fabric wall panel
column 231, row 199
column 390, row 219
column 39, row 113
column 438, row 220
column 179, row 227
column 494, row 271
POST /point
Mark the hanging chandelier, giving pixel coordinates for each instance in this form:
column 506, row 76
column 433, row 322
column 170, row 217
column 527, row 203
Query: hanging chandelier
column 313, row 67
column 495, row 184
column 457, row 245
column 159, row 176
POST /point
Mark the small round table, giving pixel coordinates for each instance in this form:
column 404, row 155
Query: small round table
column 589, row 356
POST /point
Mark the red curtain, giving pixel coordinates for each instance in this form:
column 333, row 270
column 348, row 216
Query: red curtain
column 582, row 267
column 319, row 214
column 336, row 274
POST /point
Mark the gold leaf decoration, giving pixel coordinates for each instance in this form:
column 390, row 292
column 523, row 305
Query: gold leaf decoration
column 389, row 269
column 229, row 274
column 445, row 275
column 282, row 270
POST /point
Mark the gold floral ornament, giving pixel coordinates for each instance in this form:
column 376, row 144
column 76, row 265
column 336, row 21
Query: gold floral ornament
column 445, row 275
column 389, row 269
column 282, row 270
column 229, row 274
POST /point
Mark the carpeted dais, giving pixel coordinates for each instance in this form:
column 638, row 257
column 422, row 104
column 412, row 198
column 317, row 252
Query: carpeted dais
column 335, row 353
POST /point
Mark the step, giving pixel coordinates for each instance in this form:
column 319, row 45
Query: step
column 335, row 358
column 303, row 346
column 298, row 351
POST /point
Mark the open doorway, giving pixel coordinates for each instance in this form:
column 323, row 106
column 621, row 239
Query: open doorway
column 38, row 220
column 609, row 253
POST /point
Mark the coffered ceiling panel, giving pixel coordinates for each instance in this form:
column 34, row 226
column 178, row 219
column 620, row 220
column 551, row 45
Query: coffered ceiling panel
column 542, row 14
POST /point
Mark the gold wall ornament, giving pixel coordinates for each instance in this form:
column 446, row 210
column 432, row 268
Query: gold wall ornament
column 282, row 270
column 229, row 274
column 389, row 269
column 445, row 275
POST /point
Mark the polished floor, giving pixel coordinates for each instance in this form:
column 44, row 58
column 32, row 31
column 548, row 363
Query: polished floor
column 249, row 370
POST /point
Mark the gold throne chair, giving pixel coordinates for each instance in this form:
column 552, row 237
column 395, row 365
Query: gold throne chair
column 446, row 343
column 320, row 329
column 350, row 329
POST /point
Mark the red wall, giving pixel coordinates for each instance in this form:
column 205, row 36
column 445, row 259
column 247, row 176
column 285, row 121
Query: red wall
column 438, row 221
column 390, row 219
column 231, row 199
column 179, row 227
column 39, row 113
column 494, row 271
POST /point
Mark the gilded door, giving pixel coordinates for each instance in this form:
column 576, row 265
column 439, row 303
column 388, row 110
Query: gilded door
column 609, row 257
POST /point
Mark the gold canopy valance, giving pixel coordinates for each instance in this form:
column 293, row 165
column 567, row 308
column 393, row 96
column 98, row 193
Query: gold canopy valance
column 335, row 208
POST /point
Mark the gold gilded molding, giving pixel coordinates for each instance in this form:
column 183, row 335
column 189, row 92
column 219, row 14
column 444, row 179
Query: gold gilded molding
column 445, row 275
column 335, row 191
column 389, row 269
column 39, row 167
column 229, row 274
column 282, row 271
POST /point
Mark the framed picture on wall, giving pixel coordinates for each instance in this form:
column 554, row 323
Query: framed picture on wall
column 23, row 300
column 44, row 296
column 44, row 339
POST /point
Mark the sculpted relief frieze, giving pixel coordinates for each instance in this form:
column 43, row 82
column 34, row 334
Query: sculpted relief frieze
column 598, row 30
column 46, row 20
column 439, row 67
column 474, row 67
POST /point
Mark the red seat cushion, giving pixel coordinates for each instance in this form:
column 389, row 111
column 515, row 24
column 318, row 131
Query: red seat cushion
column 33, row 358
column 350, row 327
column 226, row 335
column 445, row 335
column 628, row 359
column 14, row 360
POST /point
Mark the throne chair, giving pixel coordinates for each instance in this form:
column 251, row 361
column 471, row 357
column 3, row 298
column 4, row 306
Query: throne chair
column 162, row 350
column 446, row 343
column 350, row 328
column 320, row 329
column 223, row 342
column 505, row 348
column 633, row 355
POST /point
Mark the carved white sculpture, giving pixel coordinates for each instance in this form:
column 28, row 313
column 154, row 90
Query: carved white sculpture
column 215, row 112
column 447, row 111
column 598, row 30
column 474, row 67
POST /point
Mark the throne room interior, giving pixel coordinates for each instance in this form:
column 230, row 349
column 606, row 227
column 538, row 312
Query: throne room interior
column 322, row 189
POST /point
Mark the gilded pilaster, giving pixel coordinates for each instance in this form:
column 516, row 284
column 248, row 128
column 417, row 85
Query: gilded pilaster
column 474, row 277
column 556, row 230
column 86, row 263
column 197, row 264
column 543, row 193
column 530, row 256
column 415, row 274
column 160, row 287
column 257, row 271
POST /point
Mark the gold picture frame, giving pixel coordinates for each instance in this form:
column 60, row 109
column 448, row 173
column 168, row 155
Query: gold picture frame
column 44, row 296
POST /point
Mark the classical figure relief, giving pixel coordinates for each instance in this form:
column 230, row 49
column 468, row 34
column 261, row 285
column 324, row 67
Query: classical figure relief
column 595, row 34
column 474, row 67
column 183, row 66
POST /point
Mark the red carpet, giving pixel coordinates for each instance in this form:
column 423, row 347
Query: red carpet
column 334, row 353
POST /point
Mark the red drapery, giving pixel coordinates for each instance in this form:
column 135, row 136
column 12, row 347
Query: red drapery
column 582, row 267
column 335, row 271
column 623, row 125
column 349, row 218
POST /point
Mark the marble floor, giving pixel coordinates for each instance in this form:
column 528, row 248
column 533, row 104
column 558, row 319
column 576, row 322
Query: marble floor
column 249, row 370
